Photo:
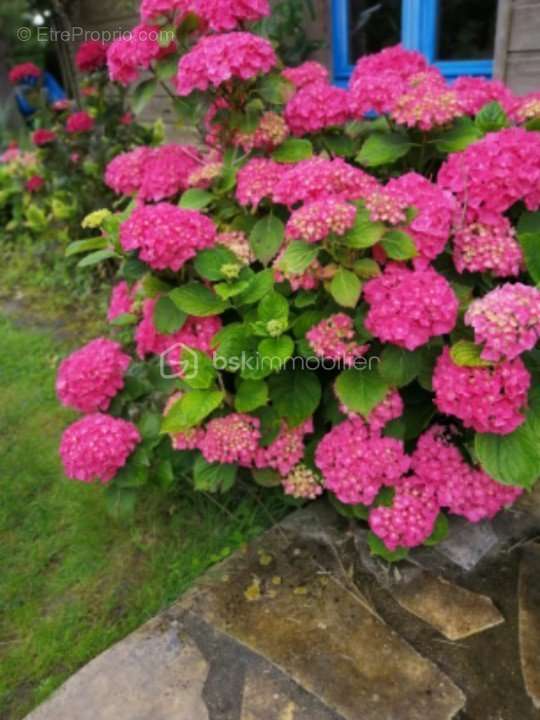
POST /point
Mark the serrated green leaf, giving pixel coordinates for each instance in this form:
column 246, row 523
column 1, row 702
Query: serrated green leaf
column 491, row 118
column 97, row 257
column 79, row 246
column 399, row 245
column 197, row 369
column 463, row 133
column 167, row 317
column 293, row 150
column 213, row 477
column 297, row 257
column 399, row 367
column 209, row 262
column 295, row 394
column 361, row 390
column 191, row 409
column 345, row 288
column 195, row 199
column 266, row 238
column 198, row 300
column 466, row 354
column 383, row 149
column 142, row 94
column 250, row 395
column 364, row 232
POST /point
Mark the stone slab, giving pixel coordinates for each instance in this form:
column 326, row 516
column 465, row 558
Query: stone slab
column 151, row 675
column 467, row 543
column 529, row 620
column 454, row 611
column 278, row 600
column 266, row 698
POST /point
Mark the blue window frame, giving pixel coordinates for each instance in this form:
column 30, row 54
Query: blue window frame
column 419, row 31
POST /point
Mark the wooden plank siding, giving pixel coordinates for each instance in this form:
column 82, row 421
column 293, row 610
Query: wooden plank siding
column 517, row 46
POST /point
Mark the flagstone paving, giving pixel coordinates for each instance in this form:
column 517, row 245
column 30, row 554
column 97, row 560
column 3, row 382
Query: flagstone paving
column 304, row 625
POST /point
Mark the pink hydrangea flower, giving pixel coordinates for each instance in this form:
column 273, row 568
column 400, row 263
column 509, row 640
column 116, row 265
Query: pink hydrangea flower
column 42, row 136
column 427, row 103
column 356, row 463
column 333, row 338
column 271, row 131
column 257, row 180
column 387, row 206
column 224, row 15
column 91, row 56
column 496, row 172
column 166, row 236
column 121, row 301
column 80, row 122
column 204, row 175
column 316, row 220
column 166, row 171
column 188, row 439
column 23, row 71
column 145, row 45
column 233, row 440
column 319, row 178
column 125, row 172
column 309, row 279
column 432, row 224
column 302, row 483
column 306, row 74
column 506, row 321
column 152, row 10
column 388, row 409
column 34, row 183
column 527, row 107
column 488, row 244
column 90, row 377
column 475, row 92
column 121, row 62
column 408, row 307
column 196, row 333
column 487, row 399
column 238, row 243
column 286, row 451
column 395, row 59
column 408, row 522
column 97, row 446
column 317, row 106
column 216, row 59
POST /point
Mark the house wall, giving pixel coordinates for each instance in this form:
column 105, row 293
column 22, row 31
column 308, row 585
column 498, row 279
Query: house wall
column 517, row 51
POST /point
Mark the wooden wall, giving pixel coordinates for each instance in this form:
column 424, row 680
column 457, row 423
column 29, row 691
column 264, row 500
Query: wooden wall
column 517, row 51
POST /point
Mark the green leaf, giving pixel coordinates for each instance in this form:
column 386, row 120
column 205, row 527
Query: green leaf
column 97, row 257
column 198, row 300
column 274, row 89
column 213, row 477
column 379, row 549
column 528, row 232
column 275, row 352
column 266, row 238
column 361, row 390
column 466, row 354
column 297, row 257
column 120, row 502
column 191, row 409
column 142, row 94
column 266, row 477
column 124, row 319
column 293, row 150
column 167, row 317
column 295, row 394
column 491, row 118
column 259, row 286
column 197, row 369
column 195, row 199
column 353, row 512
column 364, row 233
column 346, row 288
column 340, row 145
column 440, row 531
column 367, row 268
column 514, row 459
column 273, row 306
column 167, row 68
column 79, row 246
column 154, row 286
column 399, row 367
column 383, row 148
column 463, row 133
column 208, row 263
column 250, row 395
column 399, row 245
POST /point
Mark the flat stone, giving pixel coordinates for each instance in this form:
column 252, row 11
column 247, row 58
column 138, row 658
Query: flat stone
column 467, row 543
column 454, row 611
column 279, row 601
column 529, row 620
column 148, row 676
column 266, row 698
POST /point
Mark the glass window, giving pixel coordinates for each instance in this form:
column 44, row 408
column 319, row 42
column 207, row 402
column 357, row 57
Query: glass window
column 373, row 26
column 466, row 29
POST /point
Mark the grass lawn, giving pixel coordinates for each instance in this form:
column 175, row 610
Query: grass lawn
column 71, row 581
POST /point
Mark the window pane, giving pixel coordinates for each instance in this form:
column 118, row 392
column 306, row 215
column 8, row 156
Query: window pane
column 466, row 29
column 373, row 26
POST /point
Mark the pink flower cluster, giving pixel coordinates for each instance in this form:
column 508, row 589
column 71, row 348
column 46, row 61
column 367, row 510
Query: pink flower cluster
column 386, row 206
column 121, row 301
column 302, row 483
column 487, row 399
column 409, row 521
column 166, row 236
column 34, row 183
column 90, row 377
column 97, row 446
column 333, row 338
column 166, row 171
column 319, row 178
column 488, row 245
column 271, row 131
column 316, row 220
column 222, row 15
column 22, row 72
column 127, row 56
column 42, row 136
column 216, row 59
column 506, row 321
column 496, row 172
column 124, row 174
column 80, row 122
column 431, row 226
column 527, row 107
column 91, row 56
column 408, row 307
column 286, row 451
column 427, row 103
column 356, row 463
column 233, row 439
column 475, row 92
column 317, row 106
column 152, row 10
column 238, row 243
column 309, row 279
column 389, row 409
column 306, row 74
column 257, row 180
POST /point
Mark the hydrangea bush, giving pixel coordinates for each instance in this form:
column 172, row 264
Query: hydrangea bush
column 333, row 292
